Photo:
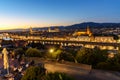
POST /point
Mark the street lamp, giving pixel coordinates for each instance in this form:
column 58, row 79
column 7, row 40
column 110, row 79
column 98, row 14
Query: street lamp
column 51, row 50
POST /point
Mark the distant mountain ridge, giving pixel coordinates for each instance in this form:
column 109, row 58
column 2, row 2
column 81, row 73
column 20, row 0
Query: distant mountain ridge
column 94, row 25
column 12, row 30
column 75, row 26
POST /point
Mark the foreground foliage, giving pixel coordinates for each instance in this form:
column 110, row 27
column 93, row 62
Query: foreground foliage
column 34, row 73
column 33, row 52
column 38, row 73
column 57, row 76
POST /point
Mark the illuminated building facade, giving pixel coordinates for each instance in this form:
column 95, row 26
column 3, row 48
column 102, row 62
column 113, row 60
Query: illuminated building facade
column 87, row 32
column 53, row 30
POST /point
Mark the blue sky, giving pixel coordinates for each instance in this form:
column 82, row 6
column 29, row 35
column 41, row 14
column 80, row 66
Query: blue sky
column 35, row 13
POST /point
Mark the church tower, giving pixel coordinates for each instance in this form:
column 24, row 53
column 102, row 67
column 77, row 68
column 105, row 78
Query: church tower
column 89, row 31
column 49, row 29
column 31, row 31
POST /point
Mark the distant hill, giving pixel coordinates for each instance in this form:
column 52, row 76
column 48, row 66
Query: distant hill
column 94, row 25
column 74, row 26
column 12, row 30
column 85, row 24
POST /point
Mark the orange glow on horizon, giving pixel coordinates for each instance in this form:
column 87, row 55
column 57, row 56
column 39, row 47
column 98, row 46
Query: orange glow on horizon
column 7, row 27
column 9, row 22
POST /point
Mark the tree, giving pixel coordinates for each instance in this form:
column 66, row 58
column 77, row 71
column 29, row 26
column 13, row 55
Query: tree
column 34, row 73
column 73, row 53
column 91, row 56
column 99, row 56
column 38, row 73
column 33, row 52
column 19, row 52
column 66, row 56
column 84, row 55
column 103, row 65
column 111, row 63
column 114, row 60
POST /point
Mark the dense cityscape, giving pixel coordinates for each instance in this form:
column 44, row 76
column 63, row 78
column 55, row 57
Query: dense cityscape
column 59, row 40
column 45, row 48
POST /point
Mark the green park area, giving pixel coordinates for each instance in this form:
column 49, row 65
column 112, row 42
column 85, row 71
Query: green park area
column 35, row 59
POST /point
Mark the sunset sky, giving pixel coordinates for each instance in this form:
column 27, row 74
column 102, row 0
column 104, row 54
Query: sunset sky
column 42, row 13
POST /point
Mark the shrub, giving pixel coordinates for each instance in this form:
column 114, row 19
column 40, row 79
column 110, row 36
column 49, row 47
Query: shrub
column 19, row 51
column 108, row 66
column 33, row 52
column 91, row 56
column 34, row 73
column 57, row 76
column 66, row 56
column 103, row 65
column 38, row 73
column 85, row 55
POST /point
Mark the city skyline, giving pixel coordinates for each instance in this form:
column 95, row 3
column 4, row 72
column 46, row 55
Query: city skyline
column 43, row 13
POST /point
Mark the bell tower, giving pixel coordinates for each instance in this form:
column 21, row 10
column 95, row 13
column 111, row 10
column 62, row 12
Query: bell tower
column 89, row 31
column 31, row 31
